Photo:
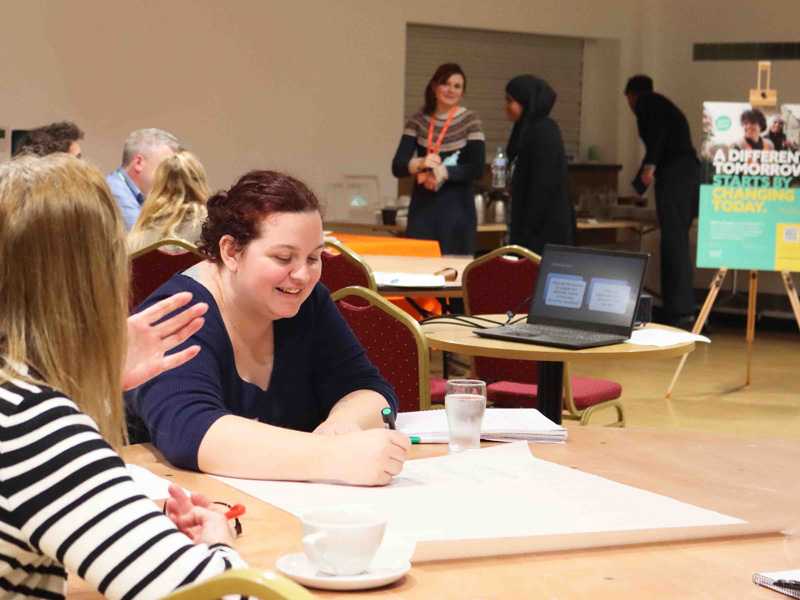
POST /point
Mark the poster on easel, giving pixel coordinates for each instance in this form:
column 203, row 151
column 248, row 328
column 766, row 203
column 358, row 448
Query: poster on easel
column 750, row 187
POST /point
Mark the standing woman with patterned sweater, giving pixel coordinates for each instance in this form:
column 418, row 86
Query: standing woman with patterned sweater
column 66, row 354
column 450, row 153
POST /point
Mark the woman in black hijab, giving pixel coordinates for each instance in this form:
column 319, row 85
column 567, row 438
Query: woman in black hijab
column 541, row 211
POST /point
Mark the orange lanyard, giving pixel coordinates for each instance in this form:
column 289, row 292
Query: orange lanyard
column 441, row 135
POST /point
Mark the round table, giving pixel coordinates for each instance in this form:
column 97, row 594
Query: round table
column 444, row 335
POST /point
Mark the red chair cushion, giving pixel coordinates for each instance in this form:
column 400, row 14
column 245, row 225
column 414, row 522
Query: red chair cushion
column 438, row 389
column 586, row 392
column 510, row 394
column 153, row 269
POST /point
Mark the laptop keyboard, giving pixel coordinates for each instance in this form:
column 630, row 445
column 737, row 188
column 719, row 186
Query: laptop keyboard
column 528, row 331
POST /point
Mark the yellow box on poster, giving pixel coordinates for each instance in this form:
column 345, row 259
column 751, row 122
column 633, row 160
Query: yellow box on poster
column 787, row 247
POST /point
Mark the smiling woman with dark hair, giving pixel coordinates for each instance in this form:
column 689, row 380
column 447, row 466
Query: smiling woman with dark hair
column 754, row 124
column 278, row 362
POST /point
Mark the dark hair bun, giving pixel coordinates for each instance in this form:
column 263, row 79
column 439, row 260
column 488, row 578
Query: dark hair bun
column 240, row 211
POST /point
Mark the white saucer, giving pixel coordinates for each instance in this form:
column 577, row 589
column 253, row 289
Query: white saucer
column 297, row 566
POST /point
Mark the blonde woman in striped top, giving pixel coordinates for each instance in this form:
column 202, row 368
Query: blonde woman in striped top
column 66, row 500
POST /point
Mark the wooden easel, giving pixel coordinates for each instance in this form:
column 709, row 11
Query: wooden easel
column 761, row 97
column 714, row 288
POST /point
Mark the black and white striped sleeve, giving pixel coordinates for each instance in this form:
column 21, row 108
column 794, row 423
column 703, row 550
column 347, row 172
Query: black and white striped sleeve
column 67, row 496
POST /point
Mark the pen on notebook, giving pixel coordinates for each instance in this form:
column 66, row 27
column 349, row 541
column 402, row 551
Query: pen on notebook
column 237, row 510
column 788, row 583
column 388, row 418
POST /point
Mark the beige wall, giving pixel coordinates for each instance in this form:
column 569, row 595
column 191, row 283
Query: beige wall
column 312, row 87
column 316, row 87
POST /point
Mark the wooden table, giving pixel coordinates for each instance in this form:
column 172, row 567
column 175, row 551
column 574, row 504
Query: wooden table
column 550, row 370
column 419, row 265
column 752, row 479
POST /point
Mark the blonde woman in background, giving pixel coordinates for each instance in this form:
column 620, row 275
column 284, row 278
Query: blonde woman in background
column 175, row 207
column 67, row 352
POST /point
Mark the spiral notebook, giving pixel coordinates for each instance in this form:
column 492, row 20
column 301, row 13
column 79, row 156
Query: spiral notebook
column 768, row 580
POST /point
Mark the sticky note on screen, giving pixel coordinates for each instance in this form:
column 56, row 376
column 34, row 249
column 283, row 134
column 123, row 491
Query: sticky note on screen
column 564, row 290
column 609, row 295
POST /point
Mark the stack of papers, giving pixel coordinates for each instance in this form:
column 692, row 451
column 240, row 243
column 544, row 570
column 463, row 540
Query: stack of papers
column 499, row 425
column 408, row 280
column 663, row 337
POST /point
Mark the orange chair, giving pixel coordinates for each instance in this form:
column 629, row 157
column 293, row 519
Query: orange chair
column 152, row 267
column 501, row 281
column 394, row 344
column 344, row 268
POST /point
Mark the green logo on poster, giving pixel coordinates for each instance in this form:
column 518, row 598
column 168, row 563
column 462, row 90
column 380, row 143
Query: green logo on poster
column 723, row 123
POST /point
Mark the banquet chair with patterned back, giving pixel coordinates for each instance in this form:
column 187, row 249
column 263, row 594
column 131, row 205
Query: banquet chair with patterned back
column 499, row 282
column 252, row 583
column 394, row 343
column 152, row 266
column 503, row 281
column 344, row 268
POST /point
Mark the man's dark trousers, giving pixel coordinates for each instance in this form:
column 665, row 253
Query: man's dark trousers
column 677, row 197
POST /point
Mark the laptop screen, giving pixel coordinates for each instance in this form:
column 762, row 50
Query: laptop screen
column 586, row 288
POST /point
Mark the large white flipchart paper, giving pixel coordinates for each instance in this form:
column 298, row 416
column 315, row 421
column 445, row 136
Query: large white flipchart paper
column 498, row 492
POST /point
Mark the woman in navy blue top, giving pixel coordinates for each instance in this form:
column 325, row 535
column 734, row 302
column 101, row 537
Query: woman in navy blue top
column 278, row 362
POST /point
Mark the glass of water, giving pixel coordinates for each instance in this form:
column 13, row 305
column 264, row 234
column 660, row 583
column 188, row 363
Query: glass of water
column 465, row 404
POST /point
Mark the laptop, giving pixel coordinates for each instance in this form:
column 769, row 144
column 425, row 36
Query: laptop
column 584, row 297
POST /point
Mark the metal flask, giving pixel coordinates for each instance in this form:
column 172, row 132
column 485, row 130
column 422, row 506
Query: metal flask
column 500, row 212
column 496, row 212
column 480, row 208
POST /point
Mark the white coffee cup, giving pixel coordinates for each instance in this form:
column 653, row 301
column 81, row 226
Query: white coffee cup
column 342, row 542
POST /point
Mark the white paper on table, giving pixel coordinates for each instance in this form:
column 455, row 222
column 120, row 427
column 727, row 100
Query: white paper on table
column 441, row 499
column 794, row 574
column 663, row 338
column 409, row 280
column 153, row 486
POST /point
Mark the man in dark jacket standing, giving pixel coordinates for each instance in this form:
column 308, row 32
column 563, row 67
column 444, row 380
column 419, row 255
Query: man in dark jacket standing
column 671, row 162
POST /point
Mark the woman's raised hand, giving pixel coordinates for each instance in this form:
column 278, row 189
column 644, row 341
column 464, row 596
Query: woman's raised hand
column 148, row 343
